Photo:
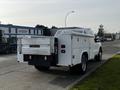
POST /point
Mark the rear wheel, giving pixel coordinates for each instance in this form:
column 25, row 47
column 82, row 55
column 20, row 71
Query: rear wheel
column 80, row 68
column 83, row 65
column 41, row 68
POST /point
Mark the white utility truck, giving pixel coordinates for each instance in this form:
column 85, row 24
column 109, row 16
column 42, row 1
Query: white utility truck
column 72, row 47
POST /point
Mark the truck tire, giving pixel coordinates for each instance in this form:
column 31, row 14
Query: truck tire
column 83, row 65
column 99, row 56
column 41, row 68
column 80, row 68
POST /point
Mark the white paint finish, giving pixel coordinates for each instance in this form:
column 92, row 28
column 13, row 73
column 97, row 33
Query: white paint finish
column 19, row 51
column 64, row 59
column 46, row 45
column 36, row 51
column 91, row 48
column 20, row 58
column 33, row 41
column 76, row 41
column 94, row 48
column 77, row 57
column 79, row 46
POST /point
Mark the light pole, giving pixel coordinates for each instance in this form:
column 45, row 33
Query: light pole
column 67, row 16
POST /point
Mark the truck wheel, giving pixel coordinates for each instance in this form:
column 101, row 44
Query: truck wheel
column 41, row 68
column 83, row 65
column 99, row 56
column 80, row 68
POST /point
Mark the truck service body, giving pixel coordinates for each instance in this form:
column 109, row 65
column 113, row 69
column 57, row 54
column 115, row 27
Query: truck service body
column 66, row 47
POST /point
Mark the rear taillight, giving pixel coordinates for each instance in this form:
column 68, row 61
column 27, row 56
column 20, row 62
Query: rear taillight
column 63, row 48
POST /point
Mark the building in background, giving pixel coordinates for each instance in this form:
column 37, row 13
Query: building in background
column 117, row 36
column 109, row 36
column 12, row 32
column 18, row 31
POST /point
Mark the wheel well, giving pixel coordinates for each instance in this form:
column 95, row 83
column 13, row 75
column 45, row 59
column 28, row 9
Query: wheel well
column 86, row 54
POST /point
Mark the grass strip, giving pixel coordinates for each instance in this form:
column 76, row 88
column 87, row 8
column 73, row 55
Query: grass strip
column 107, row 77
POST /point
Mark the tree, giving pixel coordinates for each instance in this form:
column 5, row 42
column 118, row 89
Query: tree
column 45, row 30
column 101, row 31
column 54, row 27
column 40, row 26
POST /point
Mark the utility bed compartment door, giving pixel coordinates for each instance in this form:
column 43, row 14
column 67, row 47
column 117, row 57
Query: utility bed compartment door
column 38, row 46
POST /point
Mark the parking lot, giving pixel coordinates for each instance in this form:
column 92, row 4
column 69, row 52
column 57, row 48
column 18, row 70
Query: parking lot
column 17, row 76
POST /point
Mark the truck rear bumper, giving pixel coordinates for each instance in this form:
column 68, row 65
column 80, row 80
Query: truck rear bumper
column 41, row 60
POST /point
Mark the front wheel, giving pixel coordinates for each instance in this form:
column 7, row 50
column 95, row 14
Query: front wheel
column 99, row 56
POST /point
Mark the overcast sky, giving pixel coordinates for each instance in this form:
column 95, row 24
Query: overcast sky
column 88, row 13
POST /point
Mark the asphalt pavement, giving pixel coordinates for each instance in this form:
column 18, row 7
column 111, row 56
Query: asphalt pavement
column 19, row 76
